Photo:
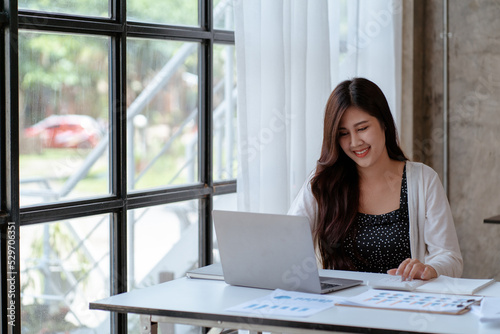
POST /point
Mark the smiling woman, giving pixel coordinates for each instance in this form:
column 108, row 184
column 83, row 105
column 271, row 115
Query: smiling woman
column 369, row 208
column 361, row 134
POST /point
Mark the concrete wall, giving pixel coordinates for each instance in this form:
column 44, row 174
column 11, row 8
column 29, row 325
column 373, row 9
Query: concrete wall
column 474, row 122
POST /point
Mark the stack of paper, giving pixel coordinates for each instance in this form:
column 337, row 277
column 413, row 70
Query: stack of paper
column 456, row 286
column 411, row 301
column 442, row 284
column 213, row 271
column 489, row 311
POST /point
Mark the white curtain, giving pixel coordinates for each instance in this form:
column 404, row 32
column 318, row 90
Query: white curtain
column 290, row 55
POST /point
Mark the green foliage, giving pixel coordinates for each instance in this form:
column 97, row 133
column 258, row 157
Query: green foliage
column 41, row 318
column 63, row 73
column 63, row 248
column 54, row 249
column 68, row 73
column 172, row 12
column 81, row 7
column 182, row 12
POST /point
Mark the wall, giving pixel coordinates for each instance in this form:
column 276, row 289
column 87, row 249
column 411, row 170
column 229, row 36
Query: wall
column 474, row 122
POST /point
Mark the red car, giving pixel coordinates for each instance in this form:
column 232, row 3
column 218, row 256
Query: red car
column 66, row 131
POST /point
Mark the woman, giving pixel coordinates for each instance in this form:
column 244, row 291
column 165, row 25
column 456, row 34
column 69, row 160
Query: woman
column 370, row 208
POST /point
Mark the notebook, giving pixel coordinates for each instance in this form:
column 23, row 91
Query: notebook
column 271, row 251
column 212, row 271
column 442, row 284
column 456, row 286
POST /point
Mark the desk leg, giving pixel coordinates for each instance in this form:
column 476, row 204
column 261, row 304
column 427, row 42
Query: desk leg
column 231, row 331
column 148, row 327
column 215, row 331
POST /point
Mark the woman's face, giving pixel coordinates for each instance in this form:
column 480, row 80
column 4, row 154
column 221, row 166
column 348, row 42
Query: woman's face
column 362, row 137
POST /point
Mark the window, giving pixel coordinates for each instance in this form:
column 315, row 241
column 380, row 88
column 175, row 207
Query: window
column 64, row 103
column 65, row 265
column 117, row 144
column 163, row 133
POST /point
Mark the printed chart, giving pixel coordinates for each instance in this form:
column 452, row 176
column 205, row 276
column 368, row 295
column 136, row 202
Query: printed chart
column 287, row 303
column 401, row 300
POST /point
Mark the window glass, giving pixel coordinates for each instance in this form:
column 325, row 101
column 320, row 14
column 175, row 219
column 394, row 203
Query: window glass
column 172, row 12
column 162, row 113
column 78, row 7
column 222, row 202
column 223, row 14
column 63, row 117
column 65, row 266
column 224, row 113
column 173, row 230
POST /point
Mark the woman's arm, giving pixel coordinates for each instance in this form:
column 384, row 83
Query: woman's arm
column 305, row 204
column 435, row 249
column 443, row 251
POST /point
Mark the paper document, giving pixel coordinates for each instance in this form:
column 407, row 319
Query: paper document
column 442, row 284
column 453, row 285
column 489, row 311
column 287, row 303
column 213, row 271
column 411, row 301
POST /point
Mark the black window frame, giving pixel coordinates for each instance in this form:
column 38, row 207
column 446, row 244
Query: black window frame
column 118, row 29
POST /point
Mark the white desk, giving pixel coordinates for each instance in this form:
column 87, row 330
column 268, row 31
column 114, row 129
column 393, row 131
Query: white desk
column 202, row 303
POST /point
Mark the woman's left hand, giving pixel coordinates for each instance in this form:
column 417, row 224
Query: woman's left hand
column 413, row 268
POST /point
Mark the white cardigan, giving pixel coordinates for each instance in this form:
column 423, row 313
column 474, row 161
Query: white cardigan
column 433, row 239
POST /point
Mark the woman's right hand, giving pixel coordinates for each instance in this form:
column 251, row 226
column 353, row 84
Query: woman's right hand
column 410, row 269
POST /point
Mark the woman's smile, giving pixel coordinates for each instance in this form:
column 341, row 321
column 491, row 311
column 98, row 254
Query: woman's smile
column 362, row 153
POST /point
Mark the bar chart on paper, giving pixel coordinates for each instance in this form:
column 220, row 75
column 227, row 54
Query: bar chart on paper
column 287, row 303
column 411, row 301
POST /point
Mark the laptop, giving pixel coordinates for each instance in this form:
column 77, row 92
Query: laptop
column 271, row 251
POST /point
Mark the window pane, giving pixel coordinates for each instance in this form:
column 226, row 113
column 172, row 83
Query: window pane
column 173, row 12
column 65, row 266
column 222, row 202
column 63, row 116
column 162, row 92
column 80, row 7
column 223, row 14
column 224, row 113
column 173, row 230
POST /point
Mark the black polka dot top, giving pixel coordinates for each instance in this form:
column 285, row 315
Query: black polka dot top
column 382, row 241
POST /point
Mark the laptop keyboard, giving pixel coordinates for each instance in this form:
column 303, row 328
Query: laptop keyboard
column 325, row 285
column 390, row 282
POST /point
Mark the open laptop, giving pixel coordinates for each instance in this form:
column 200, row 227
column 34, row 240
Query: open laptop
column 271, row 251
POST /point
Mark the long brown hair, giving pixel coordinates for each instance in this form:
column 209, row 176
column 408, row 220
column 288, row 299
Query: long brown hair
column 335, row 184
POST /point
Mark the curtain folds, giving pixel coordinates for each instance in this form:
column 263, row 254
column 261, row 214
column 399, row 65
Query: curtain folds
column 290, row 55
